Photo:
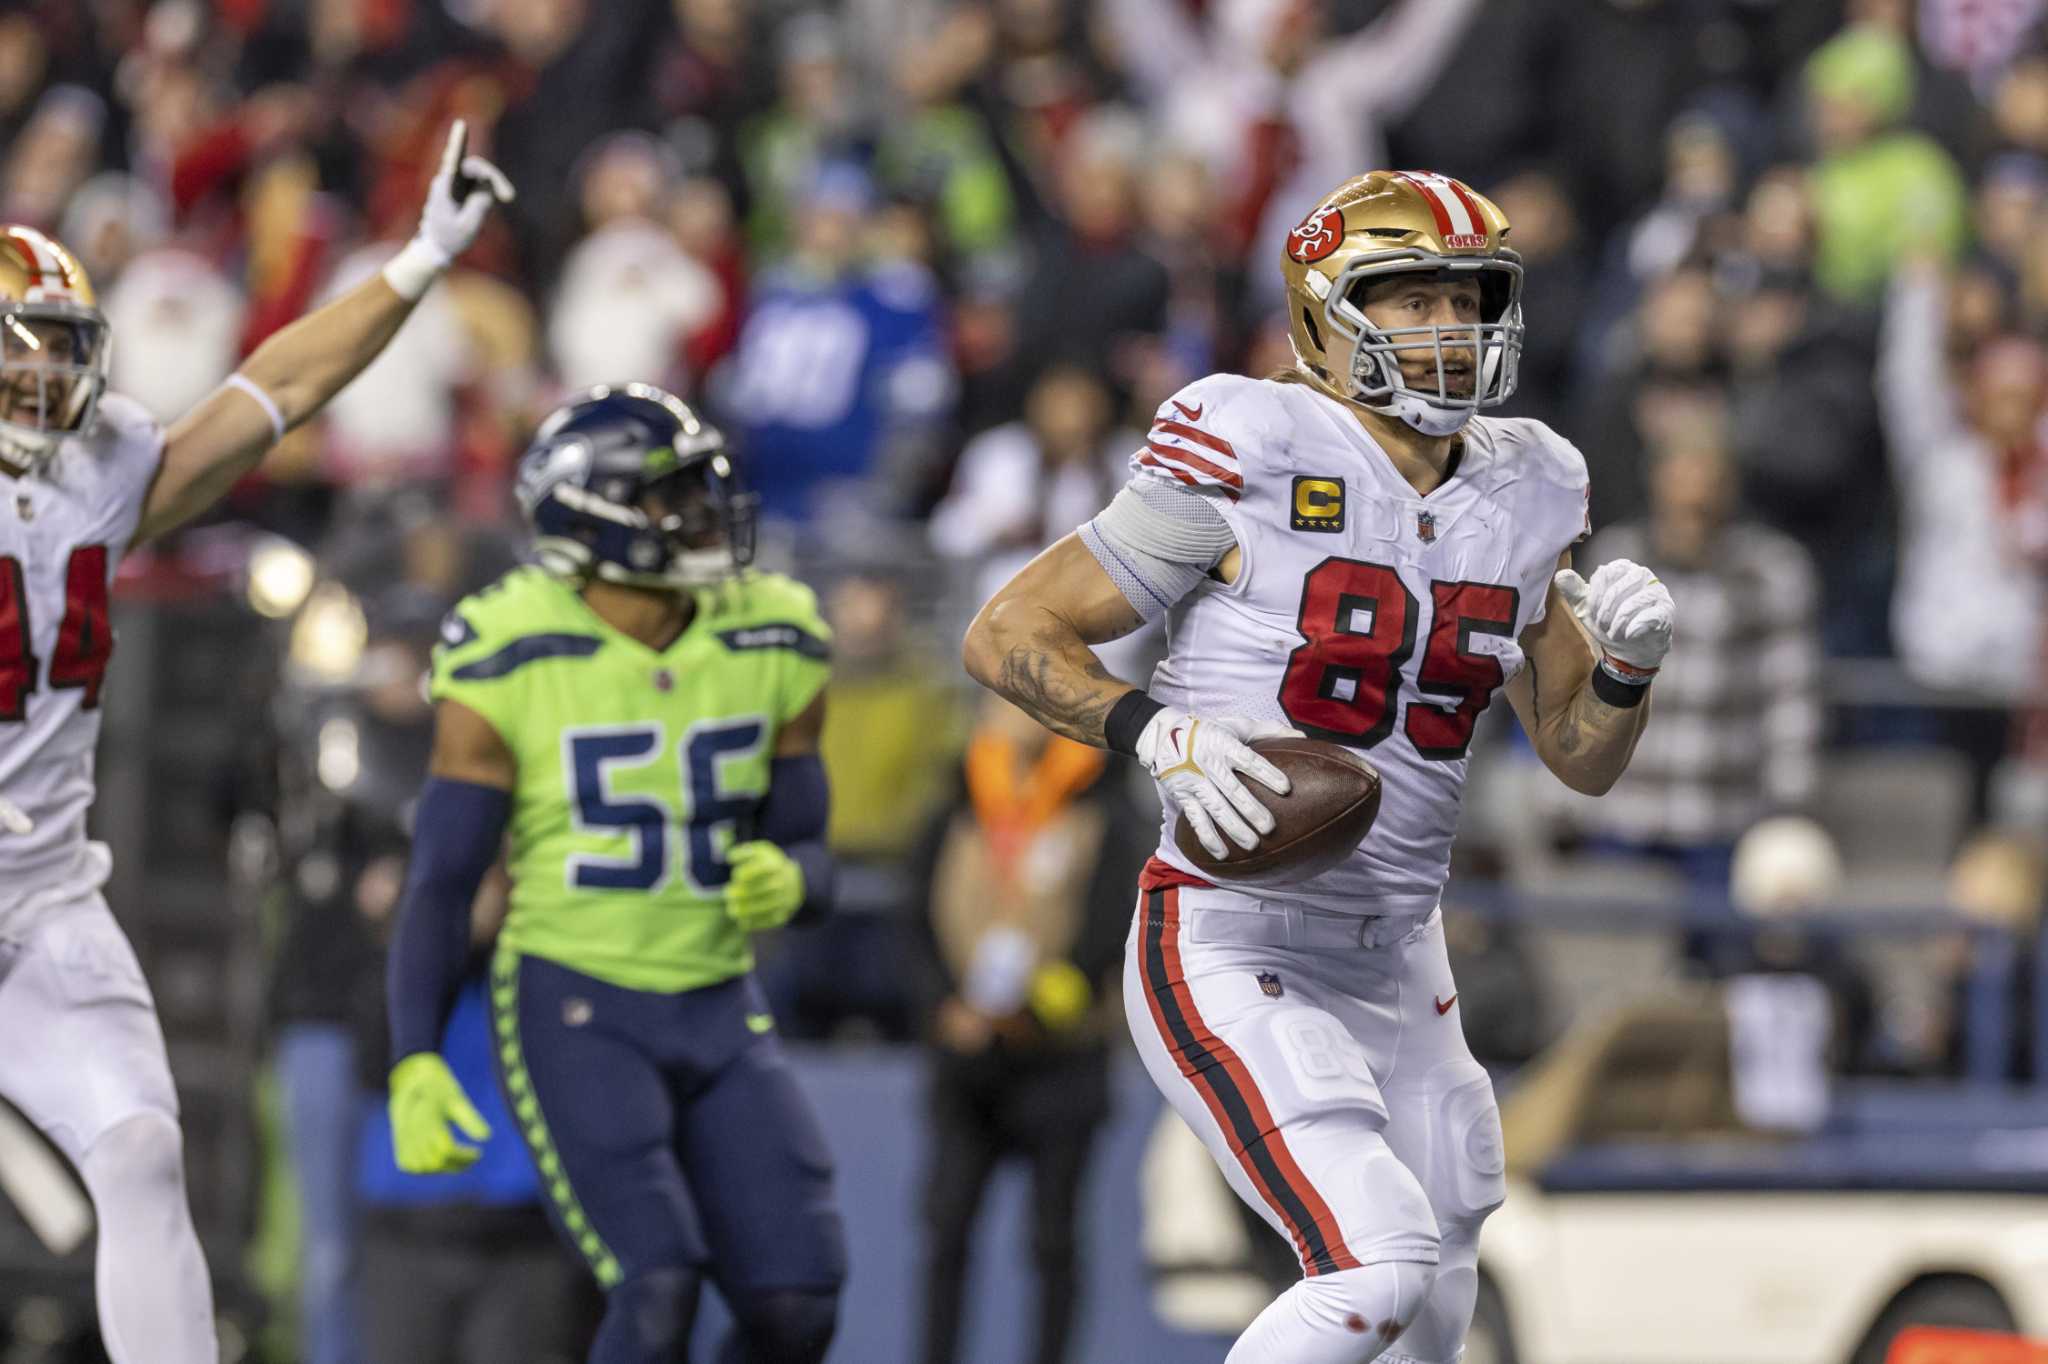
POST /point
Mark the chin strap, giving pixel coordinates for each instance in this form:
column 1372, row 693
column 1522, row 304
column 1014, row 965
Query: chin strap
column 27, row 453
column 1426, row 416
column 1410, row 407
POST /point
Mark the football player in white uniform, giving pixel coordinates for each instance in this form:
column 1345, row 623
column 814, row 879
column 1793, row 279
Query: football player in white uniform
column 84, row 475
column 1346, row 550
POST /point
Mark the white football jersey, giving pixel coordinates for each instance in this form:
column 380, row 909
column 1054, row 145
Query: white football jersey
column 62, row 533
column 1363, row 612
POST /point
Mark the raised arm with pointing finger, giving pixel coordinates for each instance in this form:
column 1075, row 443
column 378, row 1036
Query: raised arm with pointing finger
column 292, row 375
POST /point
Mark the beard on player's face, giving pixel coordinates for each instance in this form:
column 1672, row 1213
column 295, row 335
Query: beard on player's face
column 1460, row 368
column 1435, row 314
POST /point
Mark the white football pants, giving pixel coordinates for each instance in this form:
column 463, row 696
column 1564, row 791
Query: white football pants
column 84, row 1061
column 1321, row 1060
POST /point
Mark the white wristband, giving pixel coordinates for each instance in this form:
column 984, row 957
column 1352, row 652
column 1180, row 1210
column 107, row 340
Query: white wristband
column 243, row 382
column 414, row 269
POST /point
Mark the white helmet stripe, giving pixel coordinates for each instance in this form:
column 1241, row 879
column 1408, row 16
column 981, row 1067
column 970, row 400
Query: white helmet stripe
column 1452, row 207
column 50, row 269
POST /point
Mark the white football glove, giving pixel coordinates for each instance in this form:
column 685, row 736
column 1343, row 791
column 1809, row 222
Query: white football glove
column 461, row 197
column 1196, row 762
column 1627, row 612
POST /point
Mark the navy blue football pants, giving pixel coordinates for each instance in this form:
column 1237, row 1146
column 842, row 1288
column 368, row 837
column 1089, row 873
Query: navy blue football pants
column 672, row 1142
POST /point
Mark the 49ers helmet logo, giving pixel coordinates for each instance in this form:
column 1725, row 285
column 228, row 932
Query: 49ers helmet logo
column 1317, row 236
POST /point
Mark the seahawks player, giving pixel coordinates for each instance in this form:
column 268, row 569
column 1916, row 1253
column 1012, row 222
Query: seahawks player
column 635, row 722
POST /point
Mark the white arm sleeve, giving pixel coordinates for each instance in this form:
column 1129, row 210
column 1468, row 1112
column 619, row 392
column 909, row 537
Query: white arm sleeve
column 1157, row 541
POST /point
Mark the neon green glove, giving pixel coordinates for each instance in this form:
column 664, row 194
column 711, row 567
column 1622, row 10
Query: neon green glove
column 767, row 886
column 425, row 1098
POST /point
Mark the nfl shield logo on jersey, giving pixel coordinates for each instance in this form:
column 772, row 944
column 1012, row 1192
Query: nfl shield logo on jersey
column 1270, row 983
column 1425, row 527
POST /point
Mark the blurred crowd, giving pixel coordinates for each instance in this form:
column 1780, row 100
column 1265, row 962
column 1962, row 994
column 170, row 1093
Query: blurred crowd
column 925, row 257
column 932, row 263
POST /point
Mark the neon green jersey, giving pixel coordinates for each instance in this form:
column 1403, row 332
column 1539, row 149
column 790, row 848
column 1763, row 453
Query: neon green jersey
column 637, row 769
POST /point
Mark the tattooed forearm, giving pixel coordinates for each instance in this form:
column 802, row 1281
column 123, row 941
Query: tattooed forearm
column 1059, row 682
column 1029, row 642
column 1581, row 738
column 1588, row 723
column 1593, row 741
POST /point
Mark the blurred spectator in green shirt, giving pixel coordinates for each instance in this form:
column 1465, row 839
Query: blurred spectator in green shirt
column 1879, row 190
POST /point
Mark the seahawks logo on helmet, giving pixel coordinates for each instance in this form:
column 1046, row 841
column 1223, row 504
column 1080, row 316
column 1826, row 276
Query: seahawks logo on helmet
column 628, row 485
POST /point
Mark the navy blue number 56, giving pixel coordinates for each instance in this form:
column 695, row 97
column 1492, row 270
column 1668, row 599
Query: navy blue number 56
column 593, row 756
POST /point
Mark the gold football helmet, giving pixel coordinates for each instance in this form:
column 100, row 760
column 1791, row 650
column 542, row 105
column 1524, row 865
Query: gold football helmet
column 1391, row 223
column 53, row 346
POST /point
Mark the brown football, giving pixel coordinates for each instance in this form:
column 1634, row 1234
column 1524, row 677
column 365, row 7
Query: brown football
column 1322, row 819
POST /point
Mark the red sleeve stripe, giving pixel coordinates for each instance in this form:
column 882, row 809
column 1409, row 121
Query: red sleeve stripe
column 1183, row 475
column 1169, row 427
column 1228, row 479
column 1180, row 474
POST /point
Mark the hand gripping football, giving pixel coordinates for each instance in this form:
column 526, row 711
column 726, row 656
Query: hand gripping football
column 1316, row 825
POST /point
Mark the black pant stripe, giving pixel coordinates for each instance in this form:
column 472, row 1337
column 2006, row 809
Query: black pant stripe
column 1212, row 1074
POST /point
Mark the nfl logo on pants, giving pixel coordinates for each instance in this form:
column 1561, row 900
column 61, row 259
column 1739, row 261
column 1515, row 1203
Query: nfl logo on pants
column 1270, row 983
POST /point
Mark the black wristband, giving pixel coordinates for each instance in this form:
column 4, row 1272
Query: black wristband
column 1617, row 693
column 1127, row 720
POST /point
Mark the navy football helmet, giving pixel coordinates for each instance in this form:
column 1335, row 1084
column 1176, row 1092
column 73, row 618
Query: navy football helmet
column 627, row 484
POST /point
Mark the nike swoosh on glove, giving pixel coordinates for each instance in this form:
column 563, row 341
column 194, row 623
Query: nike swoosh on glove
column 425, row 1099
column 1627, row 612
column 1196, row 761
